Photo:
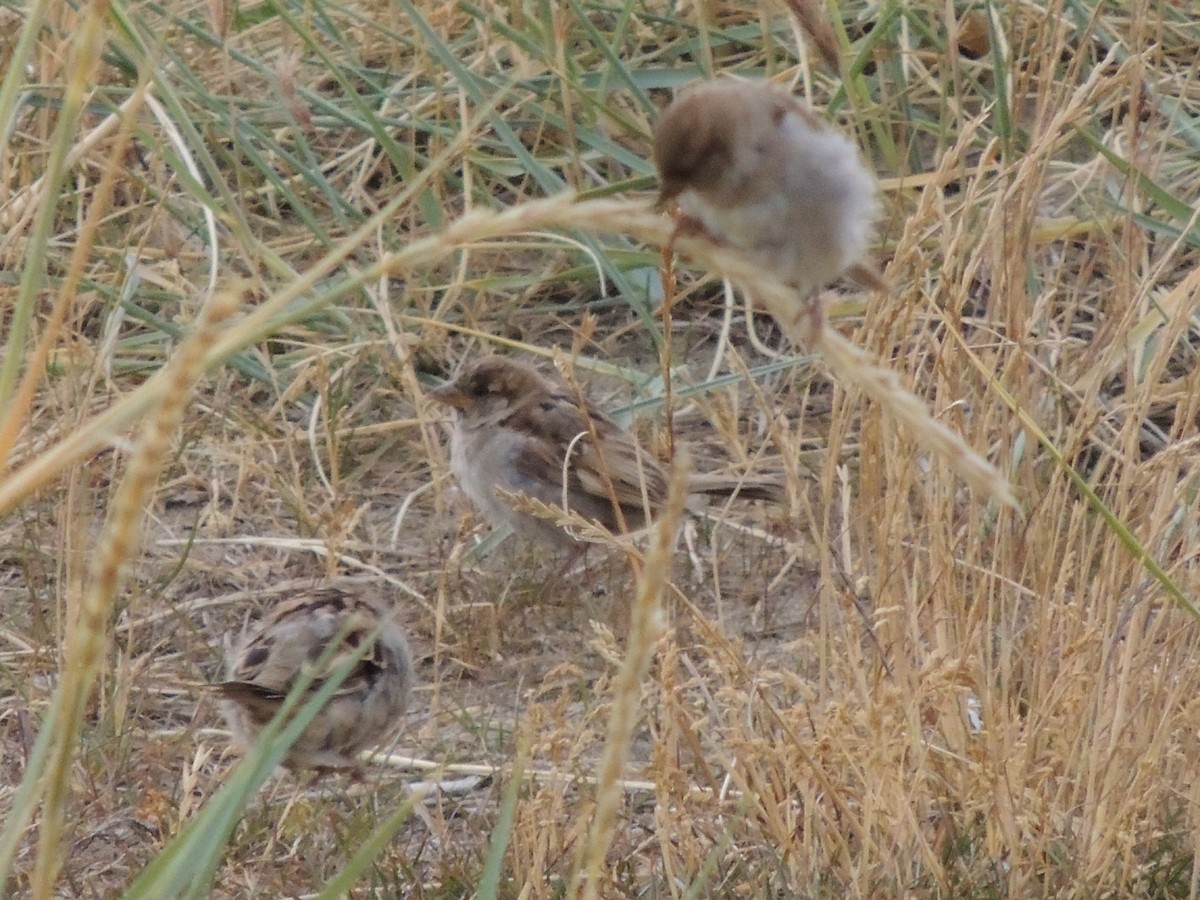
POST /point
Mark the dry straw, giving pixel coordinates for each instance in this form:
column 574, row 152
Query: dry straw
column 646, row 627
column 89, row 626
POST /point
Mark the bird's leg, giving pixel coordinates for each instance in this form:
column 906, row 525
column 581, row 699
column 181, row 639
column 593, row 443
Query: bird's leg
column 575, row 554
column 814, row 311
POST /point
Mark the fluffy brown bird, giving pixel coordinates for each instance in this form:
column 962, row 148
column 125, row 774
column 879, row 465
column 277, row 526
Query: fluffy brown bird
column 272, row 655
column 754, row 167
column 516, row 427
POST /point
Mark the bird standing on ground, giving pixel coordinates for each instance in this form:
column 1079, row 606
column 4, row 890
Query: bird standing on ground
column 753, row 166
column 283, row 645
column 516, row 426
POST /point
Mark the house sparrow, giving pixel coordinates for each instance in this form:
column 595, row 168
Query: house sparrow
column 753, row 166
column 271, row 656
column 514, row 429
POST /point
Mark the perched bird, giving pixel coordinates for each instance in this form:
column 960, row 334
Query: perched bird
column 514, row 429
column 272, row 655
column 753, row 166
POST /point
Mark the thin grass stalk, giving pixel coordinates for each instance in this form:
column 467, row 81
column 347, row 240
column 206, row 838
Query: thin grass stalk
column 14, row 77
column 853, row 366
column 25, row 801
column 1118, row 528
column 493, row 867
column 35, row 192
column 376, row 842
column 81, row 76
column 88, row 631
column 647, row 625
column 18, row 409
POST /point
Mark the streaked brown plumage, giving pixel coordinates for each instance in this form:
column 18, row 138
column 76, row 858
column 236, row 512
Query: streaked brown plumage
column 513, row 432
column 271, row 655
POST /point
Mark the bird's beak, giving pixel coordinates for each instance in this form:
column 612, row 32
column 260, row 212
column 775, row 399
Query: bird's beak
column 450, row 395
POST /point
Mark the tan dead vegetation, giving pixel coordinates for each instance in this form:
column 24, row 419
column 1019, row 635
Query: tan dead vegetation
column 894, row 686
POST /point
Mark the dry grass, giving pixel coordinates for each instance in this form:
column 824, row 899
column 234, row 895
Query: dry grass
column 894, row 686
